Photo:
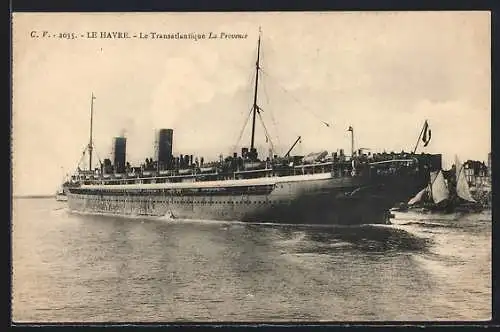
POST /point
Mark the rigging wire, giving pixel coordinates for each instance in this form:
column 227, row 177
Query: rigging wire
column 81, row 158
column 242, row 129
column 266, row 95
column 98, row 157
column 85, row 151
column 265, row 130
column 297, row 101
column 265, row 91
column 250, row 85
column 264, row 85
column 251, row 80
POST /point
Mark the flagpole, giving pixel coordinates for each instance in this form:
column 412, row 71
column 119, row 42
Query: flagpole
column 90, row 147
column 419, row 137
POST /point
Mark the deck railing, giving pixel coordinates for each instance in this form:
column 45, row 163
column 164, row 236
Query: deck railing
column 338, row 168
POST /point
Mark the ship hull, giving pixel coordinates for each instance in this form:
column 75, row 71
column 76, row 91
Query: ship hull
column 313, row 200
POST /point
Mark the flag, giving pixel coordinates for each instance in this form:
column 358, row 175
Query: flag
column 350, row 128
column 427, row 134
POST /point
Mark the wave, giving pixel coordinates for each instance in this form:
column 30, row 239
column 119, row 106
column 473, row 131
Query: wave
column 423, row 223
column 322, row 237
column 374, row 238
column 60, row 211
column 381, row 238
column 459, row 225
column 416, row 216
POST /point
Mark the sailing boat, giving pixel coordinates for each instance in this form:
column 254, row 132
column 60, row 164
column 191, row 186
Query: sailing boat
column 435, row 196
column 61, row 195
column 446, row 195
column 464, row 201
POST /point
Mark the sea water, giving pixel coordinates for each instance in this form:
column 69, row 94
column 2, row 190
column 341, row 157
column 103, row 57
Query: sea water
column 70, row 267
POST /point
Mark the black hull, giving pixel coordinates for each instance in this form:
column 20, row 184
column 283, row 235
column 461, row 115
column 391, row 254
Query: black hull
column 327, row 200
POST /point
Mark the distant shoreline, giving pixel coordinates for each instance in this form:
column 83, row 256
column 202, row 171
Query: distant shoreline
column 33, row 196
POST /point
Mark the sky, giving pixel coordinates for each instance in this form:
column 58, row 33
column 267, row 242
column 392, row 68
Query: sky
column 383, row 73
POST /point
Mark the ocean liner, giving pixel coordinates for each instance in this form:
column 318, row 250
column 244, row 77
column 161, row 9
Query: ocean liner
column 320, row 188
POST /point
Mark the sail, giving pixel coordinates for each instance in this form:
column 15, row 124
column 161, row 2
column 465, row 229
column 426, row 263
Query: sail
column 439, row 188
column 433, row 175
column 418, row 197
column 463, row 190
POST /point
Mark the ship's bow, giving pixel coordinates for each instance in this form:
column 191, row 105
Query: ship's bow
column 395, row 181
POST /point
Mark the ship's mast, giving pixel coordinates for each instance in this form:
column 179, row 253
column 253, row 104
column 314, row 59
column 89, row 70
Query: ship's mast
column 255, row 106
column 351, row 129
column 352, row 142
column 90, row 147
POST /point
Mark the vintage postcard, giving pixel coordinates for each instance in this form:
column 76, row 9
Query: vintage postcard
column 251, row 167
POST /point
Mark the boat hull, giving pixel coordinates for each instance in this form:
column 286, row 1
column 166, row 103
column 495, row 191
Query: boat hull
column 313, row 200
column 61, row 198
column 449, row 208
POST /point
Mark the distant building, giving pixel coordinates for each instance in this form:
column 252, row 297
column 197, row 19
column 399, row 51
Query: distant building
column 476, row 172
